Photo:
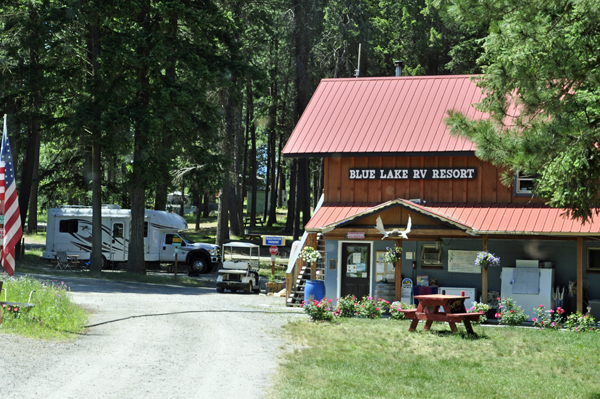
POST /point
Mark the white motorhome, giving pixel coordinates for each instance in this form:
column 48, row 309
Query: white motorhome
column 69, row 229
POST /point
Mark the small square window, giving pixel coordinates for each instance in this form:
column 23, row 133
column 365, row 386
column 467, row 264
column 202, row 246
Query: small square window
column 523, row 185
column 593, row 259
column 431, row 255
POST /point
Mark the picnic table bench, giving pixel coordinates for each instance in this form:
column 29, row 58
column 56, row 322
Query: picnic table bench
column 257, row 220
column 429, row 310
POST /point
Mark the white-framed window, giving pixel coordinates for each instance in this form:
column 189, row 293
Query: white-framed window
column 431, row 255
column 523, row 184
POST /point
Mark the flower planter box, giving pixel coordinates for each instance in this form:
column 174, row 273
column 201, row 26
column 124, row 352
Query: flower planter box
column 274, row 287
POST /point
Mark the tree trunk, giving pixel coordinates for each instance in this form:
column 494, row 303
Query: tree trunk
column 222, row 217
column 198, row 206
column 33, row 202
column 253, row 163
column 96, row 255
column 136, row 263
column 289, row 224
column 206, row 209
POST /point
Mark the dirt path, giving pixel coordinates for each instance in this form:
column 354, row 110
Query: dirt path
column 149, row 341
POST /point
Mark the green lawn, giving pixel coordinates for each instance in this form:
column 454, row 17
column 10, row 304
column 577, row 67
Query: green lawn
column 358, row 358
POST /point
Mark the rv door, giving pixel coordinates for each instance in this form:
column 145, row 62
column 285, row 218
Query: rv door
column 118, row 246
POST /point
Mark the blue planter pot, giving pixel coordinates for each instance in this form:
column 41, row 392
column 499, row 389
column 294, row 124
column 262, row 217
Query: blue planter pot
column 314, row 289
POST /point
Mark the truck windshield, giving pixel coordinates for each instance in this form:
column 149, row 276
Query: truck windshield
column 187, row 238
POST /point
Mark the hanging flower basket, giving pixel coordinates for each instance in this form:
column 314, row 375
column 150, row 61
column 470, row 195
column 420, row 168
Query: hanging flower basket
column 485, row 259
column 393, row 255
column 309, row 254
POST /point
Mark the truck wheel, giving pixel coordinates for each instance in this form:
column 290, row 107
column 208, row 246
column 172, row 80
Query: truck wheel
column 199, row 265
column 220, row 289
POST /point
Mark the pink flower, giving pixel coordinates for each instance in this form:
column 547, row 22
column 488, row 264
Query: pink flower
column 511, row 311
column 369, row 298
column 552, row 324
column 498, row 298
column 533, row 319
column 497, row 315
column 541, row 306
column 16, row 309
column 377, row 309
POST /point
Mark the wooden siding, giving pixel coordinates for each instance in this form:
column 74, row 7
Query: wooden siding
column 485, row 188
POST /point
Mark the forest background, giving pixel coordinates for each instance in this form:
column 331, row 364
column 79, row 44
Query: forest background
column 125, row 101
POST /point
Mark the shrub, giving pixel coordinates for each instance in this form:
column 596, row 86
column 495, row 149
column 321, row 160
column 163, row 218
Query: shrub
column 395, row 307
column 479, row 307
column 371, row 309
column 346, row 306
column 547, row 318
column 579, row 322
column 54, row 315
column 318, row 310
column 510, row 314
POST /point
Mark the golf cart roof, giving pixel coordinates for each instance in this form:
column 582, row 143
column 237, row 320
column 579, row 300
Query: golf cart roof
column 241, row 245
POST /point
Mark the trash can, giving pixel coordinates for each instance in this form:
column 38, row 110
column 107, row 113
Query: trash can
column 314, row 289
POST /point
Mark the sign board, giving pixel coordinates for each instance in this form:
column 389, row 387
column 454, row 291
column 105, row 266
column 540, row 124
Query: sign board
column 356, row 235
column 274, row 240
column 273, row 258
column 1, row 219
column 463, row 262
column 406, row 292
column 273, row 250
column 176, row 242
column 411, row 173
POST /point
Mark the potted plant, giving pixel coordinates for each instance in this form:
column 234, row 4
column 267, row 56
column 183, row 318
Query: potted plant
column 485, row 259
column 311, row 256
column 274, row 285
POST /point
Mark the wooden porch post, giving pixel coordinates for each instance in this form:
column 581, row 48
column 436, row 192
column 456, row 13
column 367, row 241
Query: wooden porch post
column 311, row 241
column 398, row 273
column 484, row 275
column 580, row 274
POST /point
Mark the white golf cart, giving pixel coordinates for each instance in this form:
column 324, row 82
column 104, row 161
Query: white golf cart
column 240, row 268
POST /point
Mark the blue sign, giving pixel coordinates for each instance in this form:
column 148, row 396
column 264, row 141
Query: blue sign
column 274, row 240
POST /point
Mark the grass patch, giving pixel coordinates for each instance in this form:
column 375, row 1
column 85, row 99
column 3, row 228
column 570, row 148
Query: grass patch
column 53, row 317
column 358, row 358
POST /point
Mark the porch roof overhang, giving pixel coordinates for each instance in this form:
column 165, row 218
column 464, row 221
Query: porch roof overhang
column 473, row 219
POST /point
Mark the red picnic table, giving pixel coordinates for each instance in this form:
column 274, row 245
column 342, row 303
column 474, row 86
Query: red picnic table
column 429, row 310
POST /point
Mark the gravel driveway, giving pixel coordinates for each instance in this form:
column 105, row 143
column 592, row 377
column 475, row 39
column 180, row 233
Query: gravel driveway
column 153, row 341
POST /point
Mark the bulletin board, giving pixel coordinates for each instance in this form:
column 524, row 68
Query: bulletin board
column 383, row 269
column 463, row 262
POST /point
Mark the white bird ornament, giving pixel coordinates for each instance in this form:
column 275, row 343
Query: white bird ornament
column 394, row 233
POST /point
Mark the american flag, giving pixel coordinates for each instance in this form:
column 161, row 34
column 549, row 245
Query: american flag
column 9, row 206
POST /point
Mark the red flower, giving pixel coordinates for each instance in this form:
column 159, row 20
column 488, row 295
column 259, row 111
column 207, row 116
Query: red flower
column 511, row 311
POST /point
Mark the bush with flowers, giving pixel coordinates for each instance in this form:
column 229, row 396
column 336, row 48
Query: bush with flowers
column 346, row 306
column 393, row 255
column 370, row 308
column 10, row 310
column 485, row 259
column 479, row 307
column 309, row 254
column 548, row 318
column 509, row 313
column 318, row 310
column 579, row 322
column 395, row 310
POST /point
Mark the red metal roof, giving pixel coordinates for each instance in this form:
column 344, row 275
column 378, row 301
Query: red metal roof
column 384, row 115
column 480, row 219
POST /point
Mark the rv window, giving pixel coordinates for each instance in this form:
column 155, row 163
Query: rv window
column 68, row 226
column 169, row 239
column 145, row 229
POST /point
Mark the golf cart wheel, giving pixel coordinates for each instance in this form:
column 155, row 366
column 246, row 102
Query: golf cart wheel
column 257, row 290
column 248, row 289
column 220, row 289
column 199, row 265
column 233, row 290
